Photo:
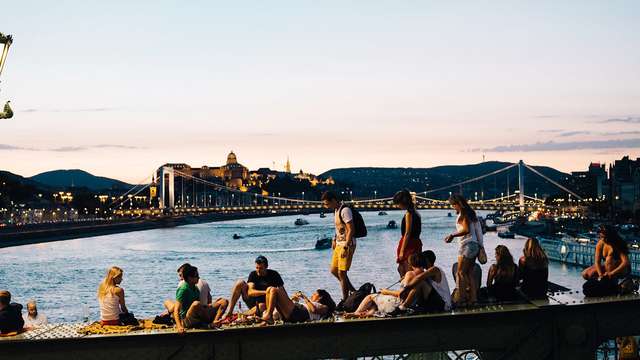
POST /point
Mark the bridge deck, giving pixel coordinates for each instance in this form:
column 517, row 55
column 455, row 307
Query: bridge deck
column 566, row 326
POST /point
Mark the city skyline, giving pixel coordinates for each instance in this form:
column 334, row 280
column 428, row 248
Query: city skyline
column 118, row 89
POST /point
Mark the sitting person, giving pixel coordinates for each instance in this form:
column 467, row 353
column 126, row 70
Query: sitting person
column 533, row 270
column 319, row 307
column 503, row 276
column 34, row 318
column 10, row 315
column 188, row 311
column 613, row 250
column 203, row 288
column 254, row 290
column 111, row 297
column 430, row 287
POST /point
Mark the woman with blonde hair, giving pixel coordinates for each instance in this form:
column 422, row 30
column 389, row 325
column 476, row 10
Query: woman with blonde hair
column 469, row 230
column 111, row 297
column 534, row 270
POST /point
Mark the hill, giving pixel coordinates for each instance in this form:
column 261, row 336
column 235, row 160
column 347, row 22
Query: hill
column 78, row 178
column 367, row 181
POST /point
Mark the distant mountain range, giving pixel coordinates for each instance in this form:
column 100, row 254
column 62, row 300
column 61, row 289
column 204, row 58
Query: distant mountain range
column 384, row 182
column 78, row 178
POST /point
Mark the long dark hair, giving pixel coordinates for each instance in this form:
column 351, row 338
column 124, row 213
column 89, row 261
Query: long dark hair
column 465, row 210
column 504, row 262
column 326, row 300
column 404, row 197
column 612, row 238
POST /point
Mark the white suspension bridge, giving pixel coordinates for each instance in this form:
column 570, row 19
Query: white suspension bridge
column 207, row 196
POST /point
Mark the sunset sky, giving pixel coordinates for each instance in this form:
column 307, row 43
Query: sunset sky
column 118, row 88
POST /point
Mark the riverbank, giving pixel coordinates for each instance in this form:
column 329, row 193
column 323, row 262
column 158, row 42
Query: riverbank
column 17, row 236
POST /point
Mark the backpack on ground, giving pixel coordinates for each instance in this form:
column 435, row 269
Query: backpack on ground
column 358, row 221
column 351, row 303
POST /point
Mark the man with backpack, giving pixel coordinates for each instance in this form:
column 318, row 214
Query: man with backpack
column 349, row 226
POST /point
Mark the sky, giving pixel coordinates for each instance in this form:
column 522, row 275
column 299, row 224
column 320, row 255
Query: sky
column 119, row 88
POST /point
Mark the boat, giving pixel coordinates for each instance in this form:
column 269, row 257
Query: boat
column 300, row 222
column 506, row 234
column 449, row 215
column 322, row 215
column 392, row 225
column 322, row 244
column 236, row 237
column 382, row 213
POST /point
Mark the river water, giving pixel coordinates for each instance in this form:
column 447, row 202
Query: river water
column 63, row 276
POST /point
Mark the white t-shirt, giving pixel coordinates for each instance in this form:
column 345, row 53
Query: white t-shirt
column 204, row 289
column 38, row 321
column 341, row 228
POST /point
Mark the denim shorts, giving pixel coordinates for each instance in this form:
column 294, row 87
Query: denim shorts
column 469, row 250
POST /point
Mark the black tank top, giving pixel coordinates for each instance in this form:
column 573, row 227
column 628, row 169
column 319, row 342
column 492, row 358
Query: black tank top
column 416, row 224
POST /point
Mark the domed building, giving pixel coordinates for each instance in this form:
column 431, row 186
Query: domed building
column 233, row 173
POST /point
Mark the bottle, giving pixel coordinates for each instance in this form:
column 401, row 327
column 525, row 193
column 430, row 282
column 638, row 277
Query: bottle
column 85, row 313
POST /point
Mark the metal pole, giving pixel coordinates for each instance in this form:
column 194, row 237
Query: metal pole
column 521, row 184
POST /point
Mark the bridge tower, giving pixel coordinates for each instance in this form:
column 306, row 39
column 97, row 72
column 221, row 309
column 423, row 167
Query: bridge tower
column 521, row 185
column 166, row 181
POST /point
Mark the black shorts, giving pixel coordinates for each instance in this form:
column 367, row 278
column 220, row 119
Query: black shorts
column 298, row 314
column 433, row 303
column 254, row 301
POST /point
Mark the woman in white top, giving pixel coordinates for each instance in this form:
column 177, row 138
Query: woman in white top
column 470, row 233
column 111, row 297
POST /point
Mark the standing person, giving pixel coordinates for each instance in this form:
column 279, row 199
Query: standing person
column 254, row 290
column 533, row 269
column 344, row 242
column 34, row 318
column 10, row 314
column 111, row 297
column 411, row 228
column 503, row 276
column 469, row 230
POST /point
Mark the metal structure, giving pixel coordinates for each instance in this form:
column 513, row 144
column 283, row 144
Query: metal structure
column 566, row 326
column 6, row 40
column 215, row 197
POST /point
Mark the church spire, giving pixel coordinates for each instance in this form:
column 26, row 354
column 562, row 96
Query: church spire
column 287, row 167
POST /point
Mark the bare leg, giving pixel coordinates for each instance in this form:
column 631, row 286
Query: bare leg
column 345, row 284
column 168, row 304
column 219, row 307
column 239, row 289
column 461, row 282
column 277, row 298
column 403, row 267
column 366, row 304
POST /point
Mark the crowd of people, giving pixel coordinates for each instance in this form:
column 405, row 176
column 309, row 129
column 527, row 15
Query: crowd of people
column 423, row 285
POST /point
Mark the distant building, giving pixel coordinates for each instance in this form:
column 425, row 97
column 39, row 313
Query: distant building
column 590, row 184
column 624, row 182
column 232, row 174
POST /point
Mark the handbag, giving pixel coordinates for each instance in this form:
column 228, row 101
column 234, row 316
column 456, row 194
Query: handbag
column 482, row 256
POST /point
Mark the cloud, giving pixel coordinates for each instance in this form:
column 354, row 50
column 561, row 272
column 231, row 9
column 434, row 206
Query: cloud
column 627, row 120
column 573, row 133
column 565, row 146
column 68, row 148
column 618, row 133
column 114, row 146
column 550, row 131
column 546, row 116
column 13, row 147
column 100, row 109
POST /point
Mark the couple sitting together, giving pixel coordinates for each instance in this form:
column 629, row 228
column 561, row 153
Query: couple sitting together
column 424, row 288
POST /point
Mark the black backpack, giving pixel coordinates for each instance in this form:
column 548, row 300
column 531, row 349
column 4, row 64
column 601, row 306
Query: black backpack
column 358, row 221
column 351, row 303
